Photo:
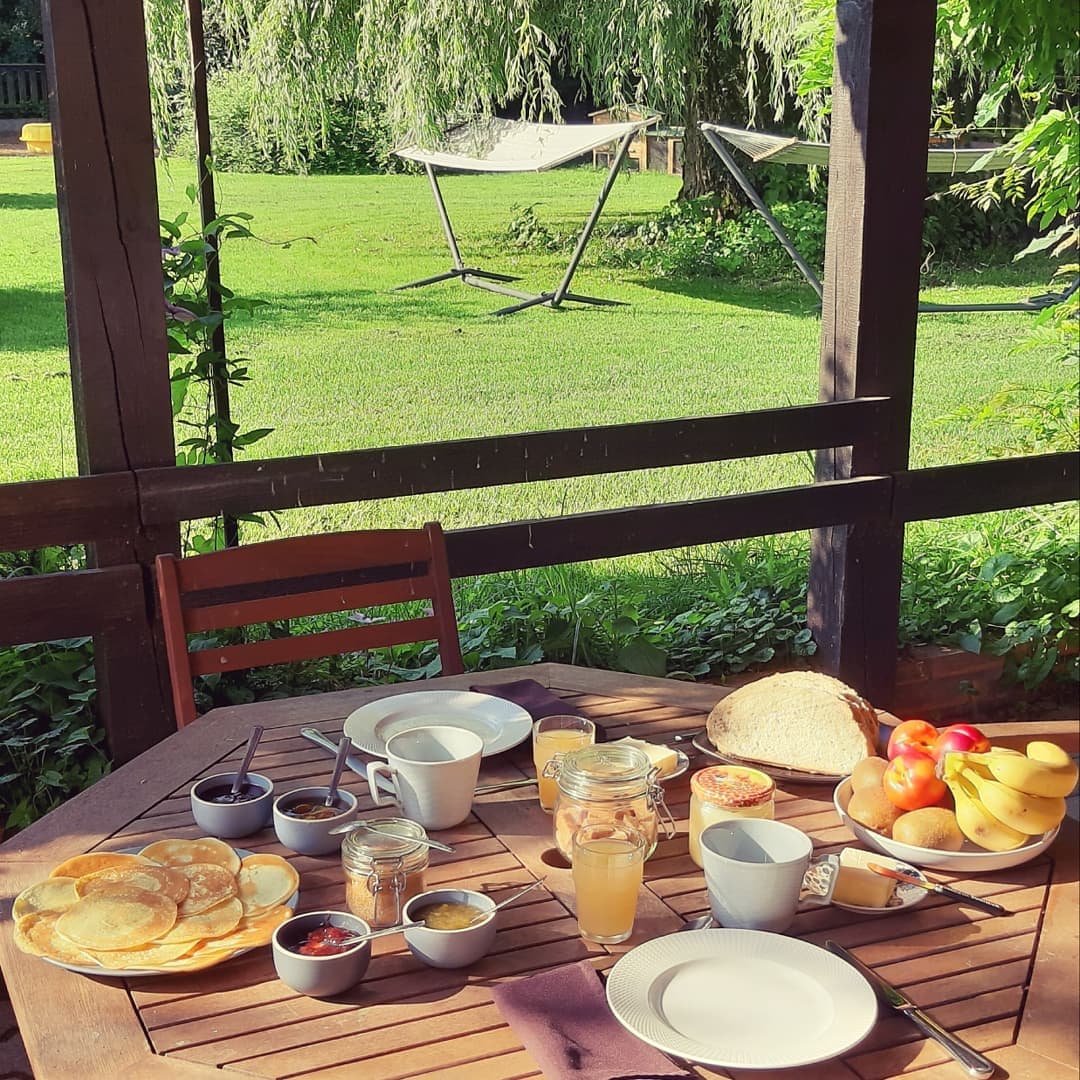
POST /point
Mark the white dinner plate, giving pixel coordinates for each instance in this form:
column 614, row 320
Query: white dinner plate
column 500, row 723
column 969, row 859
column 742, row 999
column 146, row 973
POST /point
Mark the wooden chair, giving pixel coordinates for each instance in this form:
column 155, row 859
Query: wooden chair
column 304, row 575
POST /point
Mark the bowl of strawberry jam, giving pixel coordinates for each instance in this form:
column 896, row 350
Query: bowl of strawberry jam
column 313, row 957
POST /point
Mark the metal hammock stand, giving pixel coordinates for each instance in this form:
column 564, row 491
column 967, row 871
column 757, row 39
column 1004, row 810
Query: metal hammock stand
column 785, row 150
column 502, row 146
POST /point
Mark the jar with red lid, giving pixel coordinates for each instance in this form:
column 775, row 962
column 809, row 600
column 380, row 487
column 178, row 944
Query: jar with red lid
column 727, row 791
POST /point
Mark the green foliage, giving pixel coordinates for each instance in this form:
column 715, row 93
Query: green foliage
column 51, row 746
column 20, row 32
column 191, row 322
column 351, row 138
column 1010, row 592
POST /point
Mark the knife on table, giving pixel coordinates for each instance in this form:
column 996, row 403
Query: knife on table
column 939, row 888
column 359, row 767
column 968, row 1056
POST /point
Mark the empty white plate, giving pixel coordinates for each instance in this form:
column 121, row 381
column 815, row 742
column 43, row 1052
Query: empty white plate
column 500, row 723
column 741, row 999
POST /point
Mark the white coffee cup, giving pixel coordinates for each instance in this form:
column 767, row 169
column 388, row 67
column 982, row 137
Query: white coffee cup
column 754, row 870
column 433, row 771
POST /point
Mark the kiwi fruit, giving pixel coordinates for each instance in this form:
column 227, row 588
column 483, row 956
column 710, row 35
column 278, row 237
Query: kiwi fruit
column 868, row 773
column 870, row 806
column 932, row 827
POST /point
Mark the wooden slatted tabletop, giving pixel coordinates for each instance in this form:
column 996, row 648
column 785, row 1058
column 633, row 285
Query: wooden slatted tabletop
column 1009, row 985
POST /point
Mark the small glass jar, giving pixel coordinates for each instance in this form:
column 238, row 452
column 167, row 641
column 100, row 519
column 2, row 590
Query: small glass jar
column 727, row 791
column 613, row 785
column 383, row 870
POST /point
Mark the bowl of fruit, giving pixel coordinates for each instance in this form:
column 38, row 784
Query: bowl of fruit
column 949, row 800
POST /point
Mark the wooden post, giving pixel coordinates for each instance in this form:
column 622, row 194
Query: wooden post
column 877, row 183
column 107, row 195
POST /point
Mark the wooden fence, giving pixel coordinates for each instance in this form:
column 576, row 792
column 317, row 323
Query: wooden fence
column 129, row 502
column 23, row 88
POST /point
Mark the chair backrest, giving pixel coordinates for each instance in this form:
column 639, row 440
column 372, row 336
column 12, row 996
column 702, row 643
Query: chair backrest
column 304, row 575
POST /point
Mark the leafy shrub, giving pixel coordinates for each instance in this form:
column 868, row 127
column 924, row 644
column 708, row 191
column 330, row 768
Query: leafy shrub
column 356, row 138
column 51, row 745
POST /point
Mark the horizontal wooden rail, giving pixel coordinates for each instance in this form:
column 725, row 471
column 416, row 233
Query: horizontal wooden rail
column 610, row 533
column 171, row 494
column 982, row 486
column 51, row 606
column 75, row 510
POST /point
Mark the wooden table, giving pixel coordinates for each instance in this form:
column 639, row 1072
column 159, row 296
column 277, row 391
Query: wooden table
column 1008, row 984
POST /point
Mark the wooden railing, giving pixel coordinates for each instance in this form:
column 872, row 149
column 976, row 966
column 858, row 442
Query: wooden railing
column 23, row 86
column 128, row 502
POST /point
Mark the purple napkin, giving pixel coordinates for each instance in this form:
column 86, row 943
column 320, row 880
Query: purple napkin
column 535, row 699
column 563, row 1020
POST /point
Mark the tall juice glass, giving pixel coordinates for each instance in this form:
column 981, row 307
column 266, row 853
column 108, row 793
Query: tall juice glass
column 608, row 861
column 552, row 736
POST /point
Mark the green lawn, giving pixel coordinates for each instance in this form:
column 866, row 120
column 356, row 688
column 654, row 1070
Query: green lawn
column 340, row 363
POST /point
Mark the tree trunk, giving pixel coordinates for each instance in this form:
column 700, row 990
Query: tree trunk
column 715, row 91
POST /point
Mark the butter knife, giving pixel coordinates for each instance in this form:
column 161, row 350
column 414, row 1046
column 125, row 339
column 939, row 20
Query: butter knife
column 359, row 767
column 967, row 1056
column 940, row 888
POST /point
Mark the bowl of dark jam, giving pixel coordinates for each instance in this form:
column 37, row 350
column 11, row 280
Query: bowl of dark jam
column 220, row 814
column 303, row 822
column 311, row 958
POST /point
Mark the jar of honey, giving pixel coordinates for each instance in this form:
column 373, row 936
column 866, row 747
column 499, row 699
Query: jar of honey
column 384, row 869
column 607, row 785
column 727, row 791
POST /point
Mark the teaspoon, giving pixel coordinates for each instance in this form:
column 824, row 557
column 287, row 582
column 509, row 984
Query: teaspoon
column 241, row 773
column 339, row 768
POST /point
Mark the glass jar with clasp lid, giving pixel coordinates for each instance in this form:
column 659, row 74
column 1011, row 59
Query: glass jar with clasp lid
column 384, row 869
column 607, row 785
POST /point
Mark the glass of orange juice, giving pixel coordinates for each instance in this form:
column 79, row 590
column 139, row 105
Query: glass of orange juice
column 552, row 736
column 607, row 867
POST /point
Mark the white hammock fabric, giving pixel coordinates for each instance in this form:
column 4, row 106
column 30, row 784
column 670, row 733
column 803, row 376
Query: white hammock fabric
column 786, row 150
column 512, row 146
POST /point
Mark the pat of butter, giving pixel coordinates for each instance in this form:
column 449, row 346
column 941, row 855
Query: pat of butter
column 662, row 758
column 858, row 886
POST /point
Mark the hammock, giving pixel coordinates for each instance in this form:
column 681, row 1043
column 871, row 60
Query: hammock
column 784, row 150
column 494, row 145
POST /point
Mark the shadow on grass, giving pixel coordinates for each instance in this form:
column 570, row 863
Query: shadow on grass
column 36, row 201
column 32, row 320
column 785, row 298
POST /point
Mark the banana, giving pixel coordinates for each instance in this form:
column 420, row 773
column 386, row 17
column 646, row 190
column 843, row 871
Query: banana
column 1030, row 814
column 1049, row 772
column 976, row 822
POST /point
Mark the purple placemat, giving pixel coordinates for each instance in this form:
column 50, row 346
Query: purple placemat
column 535, row 699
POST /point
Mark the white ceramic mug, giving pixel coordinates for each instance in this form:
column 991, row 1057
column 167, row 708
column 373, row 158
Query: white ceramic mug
column 433, row 771
column 754, row 870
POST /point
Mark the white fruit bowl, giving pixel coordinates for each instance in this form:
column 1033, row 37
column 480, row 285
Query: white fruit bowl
column 969, row 859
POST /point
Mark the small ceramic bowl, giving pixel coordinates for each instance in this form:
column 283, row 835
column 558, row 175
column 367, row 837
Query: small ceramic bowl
column 449, row 948
column 319, row 976
column 226, row 820
column 312, row 837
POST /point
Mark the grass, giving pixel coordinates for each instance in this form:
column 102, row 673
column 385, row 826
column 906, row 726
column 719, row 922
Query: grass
column 339, row 362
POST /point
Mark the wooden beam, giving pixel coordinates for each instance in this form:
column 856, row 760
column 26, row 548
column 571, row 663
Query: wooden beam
column 75, row 510
column 110, row 242
column 243, row 487
column 877, row 183
column 606, row 534
column 981, row 486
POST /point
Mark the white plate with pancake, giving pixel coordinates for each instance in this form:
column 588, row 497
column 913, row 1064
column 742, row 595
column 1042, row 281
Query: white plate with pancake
column 741, row 999
column 144, row 973
column 501, row 724
column 777, row 772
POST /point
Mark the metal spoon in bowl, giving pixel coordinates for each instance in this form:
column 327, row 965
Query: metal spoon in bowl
column 235, row 793
column 339, row 767
column 503, row 903
column 359, row 939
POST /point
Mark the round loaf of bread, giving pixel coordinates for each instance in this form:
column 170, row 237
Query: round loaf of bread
column 797, row 719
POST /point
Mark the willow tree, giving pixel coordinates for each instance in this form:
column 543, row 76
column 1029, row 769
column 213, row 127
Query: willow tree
column 431, row 61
